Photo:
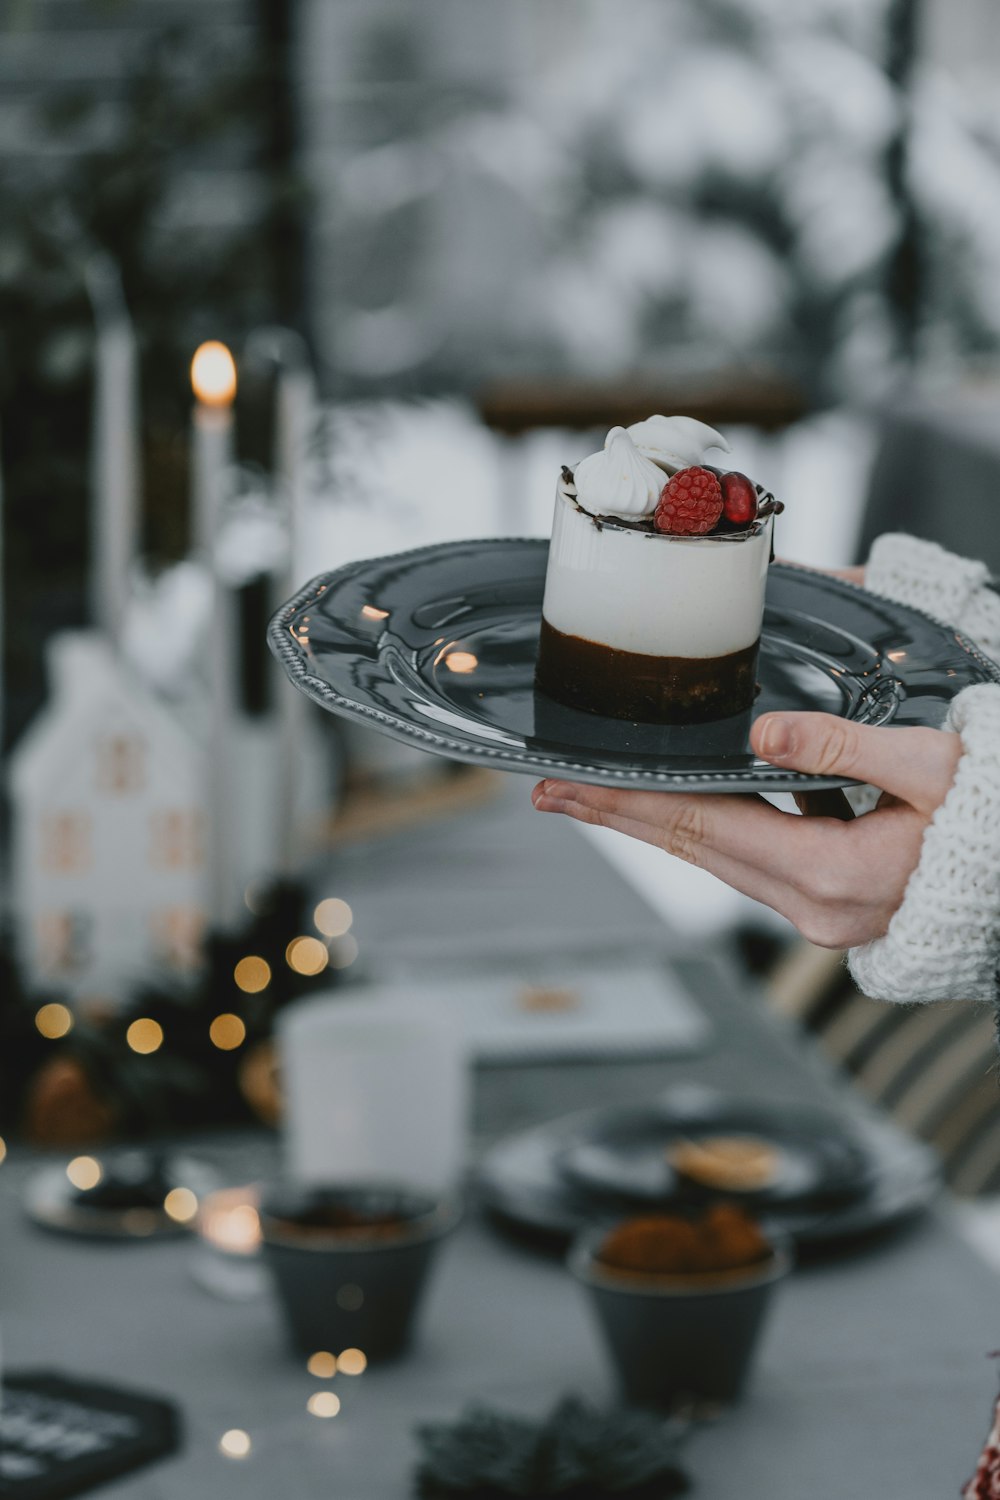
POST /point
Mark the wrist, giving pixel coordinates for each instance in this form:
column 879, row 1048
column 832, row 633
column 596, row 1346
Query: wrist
column 922, row 574
column 943, row 941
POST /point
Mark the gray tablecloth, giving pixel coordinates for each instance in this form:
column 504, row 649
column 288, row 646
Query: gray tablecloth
column 874, row 1378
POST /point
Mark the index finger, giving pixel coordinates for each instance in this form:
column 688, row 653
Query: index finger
column 745, row 829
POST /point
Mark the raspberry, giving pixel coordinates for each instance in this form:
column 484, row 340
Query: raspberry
column 739, row 498
column 690, row 503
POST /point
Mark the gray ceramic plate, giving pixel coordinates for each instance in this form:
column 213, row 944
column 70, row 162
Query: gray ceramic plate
column 523, row 1179
column 437, row 647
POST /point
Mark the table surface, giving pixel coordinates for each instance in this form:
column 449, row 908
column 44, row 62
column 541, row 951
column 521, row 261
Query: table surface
column 873, row 1377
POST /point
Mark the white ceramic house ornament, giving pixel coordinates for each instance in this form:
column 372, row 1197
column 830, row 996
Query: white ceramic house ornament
column 108, row 878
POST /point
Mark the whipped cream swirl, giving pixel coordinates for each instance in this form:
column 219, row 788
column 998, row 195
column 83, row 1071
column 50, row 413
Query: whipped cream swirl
column 618, row 481
column 675, row 442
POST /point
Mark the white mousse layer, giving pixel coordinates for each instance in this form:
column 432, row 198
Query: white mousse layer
column 661, row 595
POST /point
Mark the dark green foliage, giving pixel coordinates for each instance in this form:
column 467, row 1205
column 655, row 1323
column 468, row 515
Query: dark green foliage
column 114, row 187
column 574, row 1452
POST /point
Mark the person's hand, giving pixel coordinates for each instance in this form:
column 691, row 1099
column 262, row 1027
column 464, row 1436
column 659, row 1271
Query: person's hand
column 855, row 574
column 837, row 882
column 850, row 575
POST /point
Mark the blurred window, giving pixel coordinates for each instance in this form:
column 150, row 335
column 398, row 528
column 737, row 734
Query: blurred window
column 66, row 843
column 63, row 942
column 177, row 932
column 121, row 764
column 175, row 840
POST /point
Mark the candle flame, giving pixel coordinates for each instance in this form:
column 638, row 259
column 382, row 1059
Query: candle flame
column 213, row 374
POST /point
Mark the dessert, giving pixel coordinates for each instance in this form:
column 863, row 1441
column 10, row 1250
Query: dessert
column 738, row 1163
column 681, row 1300
column 723, row 1239
column 654, row 593
column 548, row 998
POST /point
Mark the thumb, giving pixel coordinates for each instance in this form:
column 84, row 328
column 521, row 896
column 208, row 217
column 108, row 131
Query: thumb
column 916, row 765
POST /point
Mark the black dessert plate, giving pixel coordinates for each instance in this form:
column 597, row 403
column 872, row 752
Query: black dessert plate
column 437, row 647
column 629, row 1155
column 872, row 1177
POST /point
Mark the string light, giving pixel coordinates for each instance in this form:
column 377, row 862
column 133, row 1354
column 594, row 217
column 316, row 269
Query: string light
column 351, row 1362
column 227, row 1032
column 323, row 1404
column 53, row 1021
column 145, row 1036
column 84, row 1172
column 307, row 955
column 180, row 1204
column 333, row 917
column 252, row 974
column 344, row 951
column 3, row 1148
column 322, row 1364
column 235, row 1443
column 461, row 662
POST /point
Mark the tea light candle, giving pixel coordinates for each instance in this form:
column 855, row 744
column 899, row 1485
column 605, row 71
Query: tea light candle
column 229, row 1230
column 229, row 1221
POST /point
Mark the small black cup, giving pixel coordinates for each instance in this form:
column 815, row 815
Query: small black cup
column 350, row 1263
column 678, row 1338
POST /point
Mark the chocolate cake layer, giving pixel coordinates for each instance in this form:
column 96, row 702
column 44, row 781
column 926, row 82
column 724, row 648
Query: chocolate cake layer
column 646, row 689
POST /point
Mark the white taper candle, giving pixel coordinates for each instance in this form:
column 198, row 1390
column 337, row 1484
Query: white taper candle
column 213, row 379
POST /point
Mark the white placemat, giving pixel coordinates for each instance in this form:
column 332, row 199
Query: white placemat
column 551, row 1008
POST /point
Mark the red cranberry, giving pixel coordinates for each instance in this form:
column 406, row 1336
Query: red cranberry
column 739, row 498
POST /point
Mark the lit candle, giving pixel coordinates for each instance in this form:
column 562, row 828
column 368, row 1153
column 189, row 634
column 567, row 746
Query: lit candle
column 115, row 460
column 229, row 1221
column 213, row 380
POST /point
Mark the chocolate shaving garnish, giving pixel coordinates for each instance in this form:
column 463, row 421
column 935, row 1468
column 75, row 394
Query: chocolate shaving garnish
column 726, row 531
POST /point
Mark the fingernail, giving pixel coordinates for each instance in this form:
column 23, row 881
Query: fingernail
column 776, row 737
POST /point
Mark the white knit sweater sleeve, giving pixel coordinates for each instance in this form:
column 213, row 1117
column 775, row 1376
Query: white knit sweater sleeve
column 953, row 589
column 943, row 941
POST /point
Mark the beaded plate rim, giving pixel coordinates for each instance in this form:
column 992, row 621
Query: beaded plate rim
column 759, row 776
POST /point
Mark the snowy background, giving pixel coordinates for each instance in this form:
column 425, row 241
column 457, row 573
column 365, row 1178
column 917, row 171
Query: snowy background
column 602, row 187
column 666, row 196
